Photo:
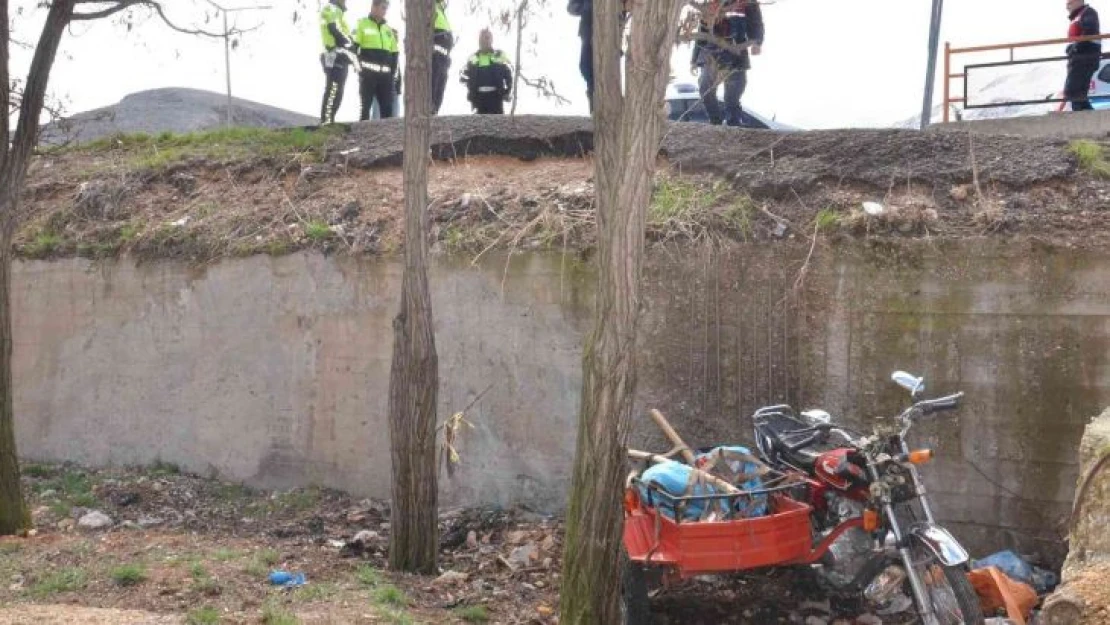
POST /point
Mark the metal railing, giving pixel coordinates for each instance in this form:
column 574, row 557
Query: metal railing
column 949, row 52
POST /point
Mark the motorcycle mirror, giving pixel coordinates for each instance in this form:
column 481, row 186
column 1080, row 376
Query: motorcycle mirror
column 911, row 383
column 816, row 416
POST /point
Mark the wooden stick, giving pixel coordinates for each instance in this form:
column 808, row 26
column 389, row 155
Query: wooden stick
column 661, row 421
column 707, row 477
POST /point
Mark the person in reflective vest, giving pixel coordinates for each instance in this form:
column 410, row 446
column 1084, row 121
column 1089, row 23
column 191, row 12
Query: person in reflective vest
column 336, row 37
column 443, row 41
column 1083, row 56
column 488, row 78
column 734, row 29
column 376, row 44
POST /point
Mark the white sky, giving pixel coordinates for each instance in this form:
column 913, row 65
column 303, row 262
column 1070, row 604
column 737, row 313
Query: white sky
column 825, row 63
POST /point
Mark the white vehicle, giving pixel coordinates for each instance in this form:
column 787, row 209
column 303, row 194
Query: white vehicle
column 1100, row 86
column 684, row 104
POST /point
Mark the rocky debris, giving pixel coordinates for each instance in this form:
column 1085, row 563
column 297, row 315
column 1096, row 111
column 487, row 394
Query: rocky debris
column 450, row 578
column 1084, row 596
column 146, row 522
column 523, row 556
column 185, row 183
column 95, row 520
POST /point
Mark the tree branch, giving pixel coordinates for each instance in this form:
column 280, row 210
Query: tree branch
column 154, row 5
column 34, row 93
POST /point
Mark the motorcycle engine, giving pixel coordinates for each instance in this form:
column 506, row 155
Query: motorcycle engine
column 852, row 551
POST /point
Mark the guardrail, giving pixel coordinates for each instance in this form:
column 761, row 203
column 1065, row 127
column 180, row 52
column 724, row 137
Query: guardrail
column 949, row 52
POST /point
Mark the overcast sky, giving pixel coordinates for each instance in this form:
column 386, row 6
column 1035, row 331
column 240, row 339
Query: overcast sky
column 825, row 63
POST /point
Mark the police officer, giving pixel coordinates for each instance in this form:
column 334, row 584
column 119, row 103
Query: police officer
column 443, row 41
column 379, row 78
column 734, row 28
column 336, row 35
column 488, row 77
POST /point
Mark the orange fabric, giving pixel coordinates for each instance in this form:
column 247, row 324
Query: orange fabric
column 996, row 590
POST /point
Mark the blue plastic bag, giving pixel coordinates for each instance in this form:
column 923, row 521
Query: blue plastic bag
column 673, row 477
column 285, row 578
column 1015, row 567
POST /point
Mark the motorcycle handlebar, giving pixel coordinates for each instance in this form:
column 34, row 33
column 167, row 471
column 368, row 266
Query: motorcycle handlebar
column 929, row 406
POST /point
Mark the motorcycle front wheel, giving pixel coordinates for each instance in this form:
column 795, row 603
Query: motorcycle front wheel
column 952, row 597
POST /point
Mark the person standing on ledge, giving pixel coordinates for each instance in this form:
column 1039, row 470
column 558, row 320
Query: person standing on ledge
column 1083, row 56
column 488, row 77
column 735, row 29
column 443, row 40
column 337, row 39
column 376, row 43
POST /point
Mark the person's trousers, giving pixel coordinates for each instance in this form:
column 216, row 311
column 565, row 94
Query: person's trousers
column 335, row 80
column 375, row 86
column 441, row 63
column 489, row 104
column 586, row 66
column 734, row 80
column 1081, row 68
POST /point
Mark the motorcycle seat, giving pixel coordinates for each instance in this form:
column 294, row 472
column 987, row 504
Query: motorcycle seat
column 774, row 430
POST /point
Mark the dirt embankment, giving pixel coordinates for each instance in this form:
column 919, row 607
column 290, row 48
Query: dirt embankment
column 527, row 183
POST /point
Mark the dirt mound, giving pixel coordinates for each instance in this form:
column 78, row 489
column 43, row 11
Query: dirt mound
column 527, row 183
column 172, row 109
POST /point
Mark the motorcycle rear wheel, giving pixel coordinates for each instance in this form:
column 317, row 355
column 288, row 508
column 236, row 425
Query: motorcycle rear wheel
column 635, row 609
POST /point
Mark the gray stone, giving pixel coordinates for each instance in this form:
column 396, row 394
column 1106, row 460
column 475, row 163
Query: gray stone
column 523, row 556
column 95, row 520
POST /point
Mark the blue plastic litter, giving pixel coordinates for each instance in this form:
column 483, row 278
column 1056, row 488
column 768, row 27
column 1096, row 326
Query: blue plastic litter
column 1016, row 567
column 285, row 578
column 748, row 507
column 672, row 477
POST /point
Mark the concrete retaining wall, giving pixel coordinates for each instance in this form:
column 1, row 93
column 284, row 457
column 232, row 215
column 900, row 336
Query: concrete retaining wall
column 1061, row 126
column 274, row 371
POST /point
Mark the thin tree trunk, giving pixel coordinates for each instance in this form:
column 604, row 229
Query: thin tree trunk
column 628, row 131
column 414, row 375
column 14, row 516
column 13, row 171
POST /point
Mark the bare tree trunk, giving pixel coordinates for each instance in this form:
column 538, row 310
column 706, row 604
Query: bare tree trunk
column 13, row 171
column 628, row 130
column 14, row 516
column 414, row 375
column 521, row 11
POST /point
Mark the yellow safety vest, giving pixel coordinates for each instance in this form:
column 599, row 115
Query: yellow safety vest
column 329, row 15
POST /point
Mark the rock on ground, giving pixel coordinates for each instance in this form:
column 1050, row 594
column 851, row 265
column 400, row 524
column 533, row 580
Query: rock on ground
column 95, row 520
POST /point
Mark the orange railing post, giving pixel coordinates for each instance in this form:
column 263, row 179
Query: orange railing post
column 947, row 79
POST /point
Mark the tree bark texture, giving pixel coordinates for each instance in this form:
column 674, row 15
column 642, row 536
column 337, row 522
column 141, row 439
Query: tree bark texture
column 414, row 375
column 14, row 161
column 627, row 133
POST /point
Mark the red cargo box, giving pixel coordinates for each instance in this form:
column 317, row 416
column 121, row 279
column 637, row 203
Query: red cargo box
column 697, row 547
